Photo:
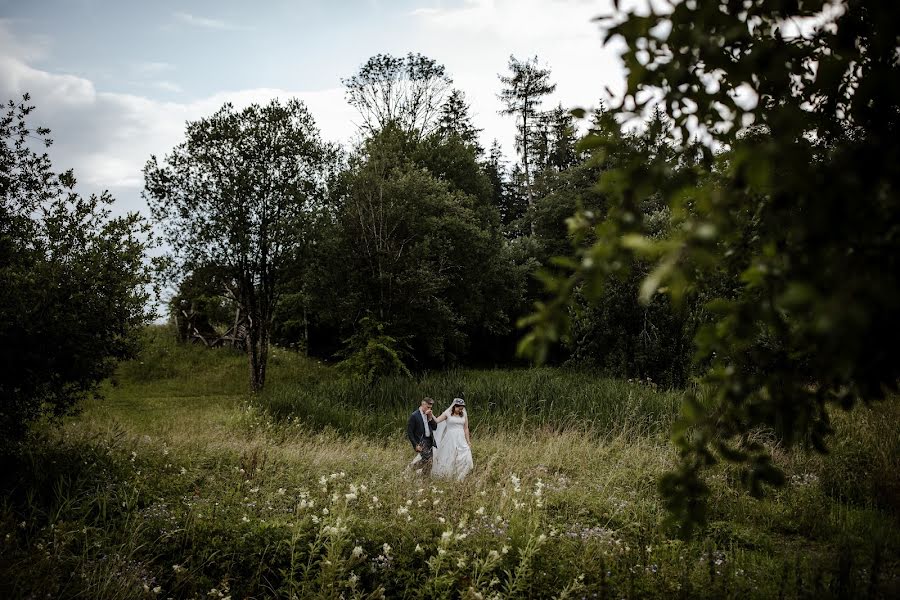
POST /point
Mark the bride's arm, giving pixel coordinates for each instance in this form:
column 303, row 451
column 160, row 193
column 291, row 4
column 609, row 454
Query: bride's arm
column 466, row 429
column 440, row 418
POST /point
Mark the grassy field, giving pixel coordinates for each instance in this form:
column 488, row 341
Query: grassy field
column 178, row 485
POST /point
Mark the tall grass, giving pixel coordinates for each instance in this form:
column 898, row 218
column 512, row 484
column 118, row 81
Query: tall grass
column 179, row 485
column 543, row 398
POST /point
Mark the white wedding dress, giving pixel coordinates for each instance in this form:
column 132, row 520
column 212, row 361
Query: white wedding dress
column 453, row 456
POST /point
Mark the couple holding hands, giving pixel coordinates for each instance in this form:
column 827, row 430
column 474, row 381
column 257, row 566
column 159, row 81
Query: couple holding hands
column 443, row 444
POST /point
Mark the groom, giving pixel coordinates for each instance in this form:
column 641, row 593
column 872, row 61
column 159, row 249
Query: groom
column 420, row 431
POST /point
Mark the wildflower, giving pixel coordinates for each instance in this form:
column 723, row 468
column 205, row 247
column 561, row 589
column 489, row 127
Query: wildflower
column 357, row 552
column 542, row 538
column 440, row 520
column 375, row 500
column 325, row 511
column 419, row 548
column 441, row 552
column 157, row 590
column 322, row 480
column 353, row 579
column 245, row 519
column 350, row 497
column 402, row 511
column 254, row 490
column 183, row 470
column 461, row 563
column 386, row 549
column 280, row 491
column 504, row 549
column 480, row 510
column 177, row 568
column 493, row 555
column 436, row 501
column 315, row 520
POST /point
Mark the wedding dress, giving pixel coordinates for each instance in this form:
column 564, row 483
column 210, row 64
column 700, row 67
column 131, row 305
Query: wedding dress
column 453, row 456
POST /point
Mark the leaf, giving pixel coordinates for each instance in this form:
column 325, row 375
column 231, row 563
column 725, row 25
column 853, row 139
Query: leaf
column 654, row 280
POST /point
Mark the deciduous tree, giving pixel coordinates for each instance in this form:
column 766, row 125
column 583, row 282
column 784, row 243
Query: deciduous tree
column 241, row 192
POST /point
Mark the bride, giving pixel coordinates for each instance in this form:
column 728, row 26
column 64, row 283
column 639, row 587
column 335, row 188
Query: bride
column 453, row 455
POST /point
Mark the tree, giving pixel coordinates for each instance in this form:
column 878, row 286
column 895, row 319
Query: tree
column 407, row 91
column 241, row 192
column 787, row 235
column 74, row 280
column 524, row 88
column 418, row 249
column 455, row 121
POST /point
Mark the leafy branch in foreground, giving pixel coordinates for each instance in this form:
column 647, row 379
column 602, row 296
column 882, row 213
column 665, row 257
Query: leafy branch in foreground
column 786, row 235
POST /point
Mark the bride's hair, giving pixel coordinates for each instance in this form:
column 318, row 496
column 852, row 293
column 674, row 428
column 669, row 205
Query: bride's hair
column 461, row 408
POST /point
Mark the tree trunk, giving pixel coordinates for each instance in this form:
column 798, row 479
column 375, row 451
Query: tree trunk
column 257, row 339
column 525, row 162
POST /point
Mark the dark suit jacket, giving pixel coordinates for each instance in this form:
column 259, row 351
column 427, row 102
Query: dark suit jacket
column 415, row 429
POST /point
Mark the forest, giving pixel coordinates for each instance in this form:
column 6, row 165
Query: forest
column 672, row 315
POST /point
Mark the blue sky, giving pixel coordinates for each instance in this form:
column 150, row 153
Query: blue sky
column 116, row 80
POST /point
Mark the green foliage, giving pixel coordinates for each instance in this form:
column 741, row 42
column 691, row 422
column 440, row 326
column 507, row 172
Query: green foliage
column 501, row 400
column 406, row 92
column 74, row 280
column 241, row 195
column 786, row 237
column 414, row 243
column 371, row 354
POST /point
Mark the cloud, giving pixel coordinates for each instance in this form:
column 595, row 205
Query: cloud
column 107, row 137
column 204, row 22
column 562, row 33
column 167, row 86
column 153, row 68
column 516, row 19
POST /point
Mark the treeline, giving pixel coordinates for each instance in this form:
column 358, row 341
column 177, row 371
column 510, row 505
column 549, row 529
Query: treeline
column 418, row 248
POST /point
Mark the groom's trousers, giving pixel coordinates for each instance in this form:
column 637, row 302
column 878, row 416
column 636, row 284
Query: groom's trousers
column 427, row 455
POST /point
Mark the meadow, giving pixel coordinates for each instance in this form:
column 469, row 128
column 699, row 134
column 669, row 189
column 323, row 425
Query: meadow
column 178, row 484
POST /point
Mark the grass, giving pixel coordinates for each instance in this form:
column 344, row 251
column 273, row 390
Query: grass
column 178, row 485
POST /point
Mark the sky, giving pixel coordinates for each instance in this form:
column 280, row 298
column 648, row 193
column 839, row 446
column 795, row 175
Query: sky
column 116, row 80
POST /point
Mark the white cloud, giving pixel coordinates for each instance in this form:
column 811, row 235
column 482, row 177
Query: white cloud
column 108, row 137
column 167, row 86
column 153, row 68
column 480, row 33
column 204, row 22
